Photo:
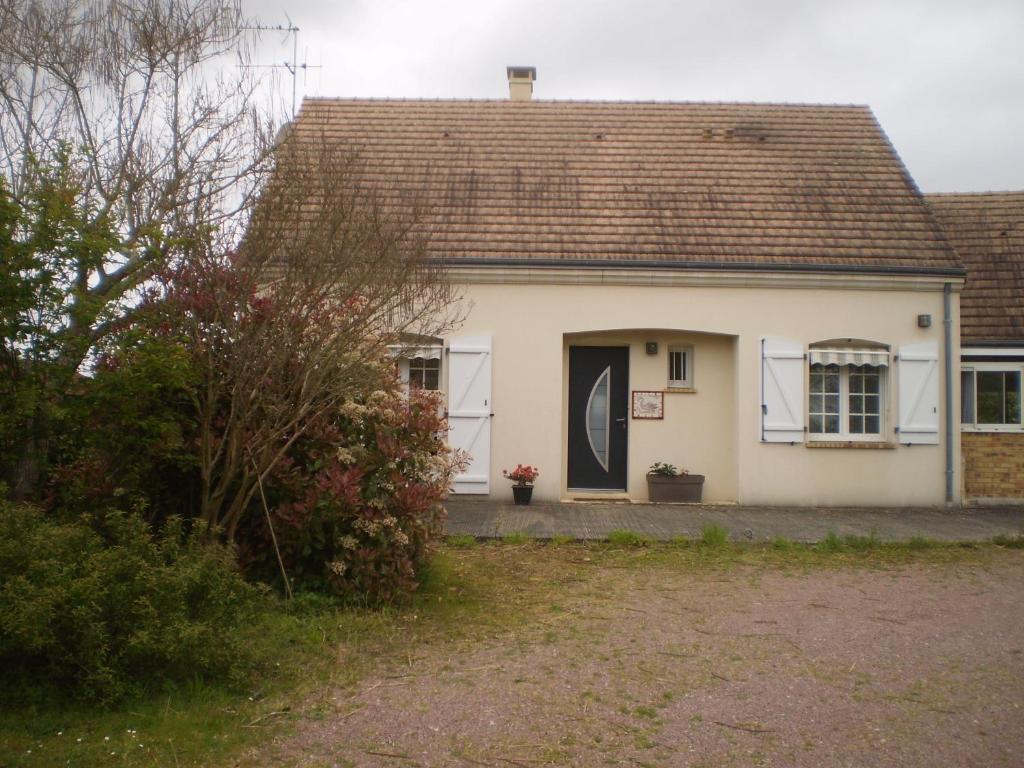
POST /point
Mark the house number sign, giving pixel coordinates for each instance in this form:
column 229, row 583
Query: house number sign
column 648, row 405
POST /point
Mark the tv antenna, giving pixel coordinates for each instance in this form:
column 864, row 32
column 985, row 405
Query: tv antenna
column 292, row 66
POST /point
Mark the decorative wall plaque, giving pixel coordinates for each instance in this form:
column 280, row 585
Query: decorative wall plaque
column 648, row 404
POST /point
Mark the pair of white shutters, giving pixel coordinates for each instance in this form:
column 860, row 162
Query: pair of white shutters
column 783, row 373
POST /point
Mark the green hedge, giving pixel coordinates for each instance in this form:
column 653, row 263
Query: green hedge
column 107, row 611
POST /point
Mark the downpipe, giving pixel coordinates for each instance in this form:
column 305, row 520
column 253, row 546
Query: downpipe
column 947, row 325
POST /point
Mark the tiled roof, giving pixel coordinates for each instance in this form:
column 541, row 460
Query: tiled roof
column 987, row 230
column 679, row 184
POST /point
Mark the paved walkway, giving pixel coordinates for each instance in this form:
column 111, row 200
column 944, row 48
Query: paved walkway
column 594, row 520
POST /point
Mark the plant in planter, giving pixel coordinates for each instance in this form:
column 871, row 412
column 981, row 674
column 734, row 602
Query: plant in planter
column 666, row 483
column 523, row 478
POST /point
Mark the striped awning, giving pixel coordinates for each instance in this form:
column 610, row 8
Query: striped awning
column 849, row 356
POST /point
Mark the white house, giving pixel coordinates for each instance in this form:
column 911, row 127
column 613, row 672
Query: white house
column 755, row 292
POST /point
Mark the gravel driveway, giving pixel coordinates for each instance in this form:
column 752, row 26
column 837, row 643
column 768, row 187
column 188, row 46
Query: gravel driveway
column 746, row 665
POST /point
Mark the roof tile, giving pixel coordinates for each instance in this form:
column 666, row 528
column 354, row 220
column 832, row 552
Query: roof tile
column 726, row 184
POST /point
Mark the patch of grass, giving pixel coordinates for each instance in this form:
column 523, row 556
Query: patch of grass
column 626, row 538
column 921, row 544
column 782, row 544
column 1010, row 542
column 559, row 540
column 862, row 543
column 714, row 536
column 461, row 541
column 831, row 543
column 516, row 537
column 679, row 542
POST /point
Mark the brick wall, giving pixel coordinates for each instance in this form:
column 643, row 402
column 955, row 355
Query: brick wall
column 993, row 465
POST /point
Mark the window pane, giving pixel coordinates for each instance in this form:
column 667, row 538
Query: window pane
column 856, row 425
column 873, row 405
column 872, row 425
column 832, row 424
column 1013, row 397
column 817, row 381
column 871, row 383
column 817, row 403
column 832, row 378
column 991, row 397
column 856, row 404
column 597, row 418
column 416, row 378
column 967, row 397
column 817, row 423
column 832, row 404
column 432, row 379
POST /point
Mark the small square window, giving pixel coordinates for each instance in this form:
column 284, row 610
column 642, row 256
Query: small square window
column 680, row 366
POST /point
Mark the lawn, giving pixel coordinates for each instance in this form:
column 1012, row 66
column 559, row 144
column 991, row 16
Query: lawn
column 522, row 653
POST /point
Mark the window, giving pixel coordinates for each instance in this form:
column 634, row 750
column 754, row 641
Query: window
column 680, row 366
column 424, row 373
column 846, row 401
column 990, row 397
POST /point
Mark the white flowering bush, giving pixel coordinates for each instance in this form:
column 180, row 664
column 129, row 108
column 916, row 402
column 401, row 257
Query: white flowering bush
column 358, row 505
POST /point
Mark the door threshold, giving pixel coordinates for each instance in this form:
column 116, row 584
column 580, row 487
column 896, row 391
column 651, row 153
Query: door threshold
column 597, row 495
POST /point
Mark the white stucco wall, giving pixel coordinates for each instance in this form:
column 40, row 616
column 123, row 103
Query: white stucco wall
column 716, row 430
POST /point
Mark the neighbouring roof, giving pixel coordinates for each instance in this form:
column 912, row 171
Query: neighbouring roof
column 673, row 184
column 987, row 230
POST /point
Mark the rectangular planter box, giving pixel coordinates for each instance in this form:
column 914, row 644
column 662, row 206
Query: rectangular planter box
column 682, row 488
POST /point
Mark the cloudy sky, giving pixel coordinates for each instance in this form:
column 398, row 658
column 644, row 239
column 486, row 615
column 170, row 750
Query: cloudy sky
column 944, row 77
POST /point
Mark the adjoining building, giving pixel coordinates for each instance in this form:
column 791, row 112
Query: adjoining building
column 987, row 231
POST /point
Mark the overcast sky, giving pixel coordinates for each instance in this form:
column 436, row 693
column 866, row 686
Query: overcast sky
column 944, row 77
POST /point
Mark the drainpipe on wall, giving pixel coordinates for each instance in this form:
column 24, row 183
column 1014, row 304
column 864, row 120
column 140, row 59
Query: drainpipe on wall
column 947, row 325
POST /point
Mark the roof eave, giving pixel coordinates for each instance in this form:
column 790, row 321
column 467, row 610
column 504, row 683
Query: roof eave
column 853, row 269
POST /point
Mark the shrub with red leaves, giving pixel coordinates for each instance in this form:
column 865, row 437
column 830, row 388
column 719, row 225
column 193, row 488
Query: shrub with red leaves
column 357, row 505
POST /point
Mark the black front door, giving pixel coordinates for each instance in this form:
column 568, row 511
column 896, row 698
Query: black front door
column 598, row 403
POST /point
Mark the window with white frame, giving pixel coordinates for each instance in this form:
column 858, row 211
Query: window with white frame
column 990, row 396
column 680, row 366
column 846, row 390
column 846, row 401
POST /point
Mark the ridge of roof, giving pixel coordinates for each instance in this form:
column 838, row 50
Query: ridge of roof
column 618, row 102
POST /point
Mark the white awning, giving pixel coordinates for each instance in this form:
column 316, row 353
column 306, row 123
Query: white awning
column 849, row 356
column 427, row 353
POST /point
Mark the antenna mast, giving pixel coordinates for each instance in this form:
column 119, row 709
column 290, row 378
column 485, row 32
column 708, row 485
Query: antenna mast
column 292, row 66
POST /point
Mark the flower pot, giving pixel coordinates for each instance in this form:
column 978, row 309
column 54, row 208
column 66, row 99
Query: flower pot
column 522, row 494
column 678, row 489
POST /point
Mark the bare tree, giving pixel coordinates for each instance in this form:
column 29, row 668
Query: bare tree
column 298, row 320
column 162, row 147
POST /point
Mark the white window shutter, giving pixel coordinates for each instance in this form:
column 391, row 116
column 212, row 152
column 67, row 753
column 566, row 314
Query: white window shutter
column 469, row 410
column 918, row 366
column 783, row 372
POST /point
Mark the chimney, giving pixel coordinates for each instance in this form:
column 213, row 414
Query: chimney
column 520, row 82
